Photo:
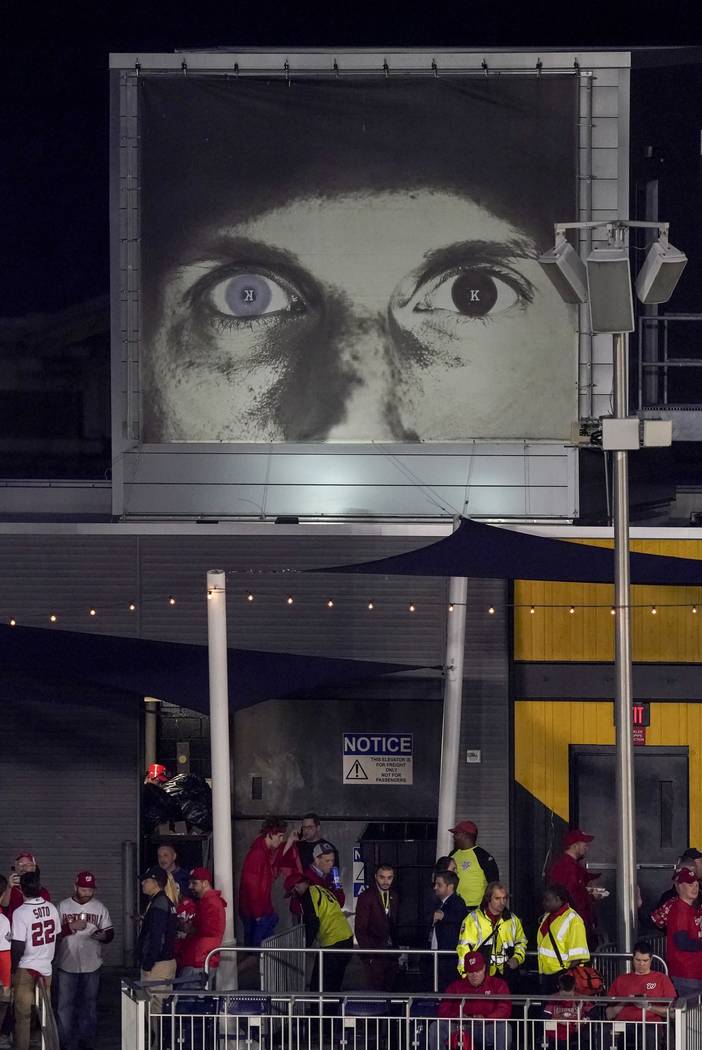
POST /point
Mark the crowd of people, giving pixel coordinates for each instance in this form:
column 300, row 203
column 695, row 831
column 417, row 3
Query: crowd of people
column 482, row 942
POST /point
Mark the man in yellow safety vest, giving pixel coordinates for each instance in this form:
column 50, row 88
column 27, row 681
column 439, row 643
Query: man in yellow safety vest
column 475, row 867
column 561, row 941
column 497, row 933
column 326, row 923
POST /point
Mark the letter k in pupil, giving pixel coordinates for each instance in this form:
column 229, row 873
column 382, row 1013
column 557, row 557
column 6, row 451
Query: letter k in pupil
column 474, row 295
column 249, row 295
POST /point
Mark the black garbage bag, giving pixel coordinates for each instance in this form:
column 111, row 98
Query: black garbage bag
column 194, row 797
column 157, row 807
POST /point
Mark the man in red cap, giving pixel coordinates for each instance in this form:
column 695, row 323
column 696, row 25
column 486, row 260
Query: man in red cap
column 207, row 928
column 493, row 1006
column 85, row 927
column 12, row 897
column 568, row 870
column 475, row 867
column 684, row 936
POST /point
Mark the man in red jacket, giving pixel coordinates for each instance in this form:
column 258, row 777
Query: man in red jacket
column 568, row 870
column 207, row 927
column 484, row 1019
column 262, row 864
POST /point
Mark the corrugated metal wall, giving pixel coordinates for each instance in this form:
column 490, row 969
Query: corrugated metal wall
column 69, row 782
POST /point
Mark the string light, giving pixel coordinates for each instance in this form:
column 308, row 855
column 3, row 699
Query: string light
column 654, row 610
column 171, row 600
column 532, row 610
column 132, row 606
column 249, row 597
column 290, row 599
column 694, row 608
column 330, row 604
column 451, row 606
column 53, row 617
column 412, row 607
column 13, row 622
column 371, row 606
column 209, row 596
column 93, row 612
column 612, row 611
column 571, row 610
column 491, row 610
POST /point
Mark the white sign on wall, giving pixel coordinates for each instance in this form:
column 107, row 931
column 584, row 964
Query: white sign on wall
column 377, row 758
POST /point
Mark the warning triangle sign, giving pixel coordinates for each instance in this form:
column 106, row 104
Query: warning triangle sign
column 357, row 772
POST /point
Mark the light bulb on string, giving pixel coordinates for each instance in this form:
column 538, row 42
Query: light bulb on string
column 330, row 604
column 290, row 599
column 209, row 596
column 571, row 610
column 694, row 608
column 612, row 611
column 532, row 610
column 412, row 607
column 654, row 610
column 491, row 610
column 93, row 612
column 371, row 606
column 13, row 622
column 132, row 606
column 249, row 596
column 451, row 607
column 53, row 617
column 171, row 600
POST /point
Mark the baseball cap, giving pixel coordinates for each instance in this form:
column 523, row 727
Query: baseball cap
column 201, row 873
column 473, row 962
column 685, row 875
column 575, row 835
column 321, row 848
column 691, row 854
column 25, row 855
column 466, row 826
column 157, row 772
column 154, row 872
column 85, row 879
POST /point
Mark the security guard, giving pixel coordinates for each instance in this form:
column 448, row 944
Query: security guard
column 326, row 923
column 475, row 866
column 495, row 932
column 561, row 941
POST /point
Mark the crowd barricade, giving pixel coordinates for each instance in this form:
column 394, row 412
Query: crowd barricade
column 282, row 967
column 284, row 1019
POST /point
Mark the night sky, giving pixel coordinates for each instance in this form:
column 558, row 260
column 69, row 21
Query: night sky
column 54, row 98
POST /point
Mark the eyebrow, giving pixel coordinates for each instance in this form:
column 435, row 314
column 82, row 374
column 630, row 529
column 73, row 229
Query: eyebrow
column 474, row 253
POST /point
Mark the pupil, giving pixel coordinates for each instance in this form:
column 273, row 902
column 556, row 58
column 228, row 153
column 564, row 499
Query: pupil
column 248, row 295
column 474, row 293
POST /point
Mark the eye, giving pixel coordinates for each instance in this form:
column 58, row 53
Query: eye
column 472, row 293
column 252, row 295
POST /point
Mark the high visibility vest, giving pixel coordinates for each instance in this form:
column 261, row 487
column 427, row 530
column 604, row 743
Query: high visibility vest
column 508, row 940
column 471, row 877
column 569, row 934
column 333, row 926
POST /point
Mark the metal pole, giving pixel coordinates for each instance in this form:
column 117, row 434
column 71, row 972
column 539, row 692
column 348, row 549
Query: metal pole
column 130, row 905
column 453, row 696
column 219, row 748
column 625, row 796
column 150, row 730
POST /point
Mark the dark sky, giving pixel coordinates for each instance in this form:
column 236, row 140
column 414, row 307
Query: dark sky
column 54, row 97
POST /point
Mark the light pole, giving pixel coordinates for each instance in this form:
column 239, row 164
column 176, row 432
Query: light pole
column 604, row 281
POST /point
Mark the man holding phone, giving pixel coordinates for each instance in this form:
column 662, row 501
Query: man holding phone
column 12, row 898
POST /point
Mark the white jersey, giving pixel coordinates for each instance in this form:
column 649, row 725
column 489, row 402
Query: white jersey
column 36, row 923
column 5, row 933
column 79, row 952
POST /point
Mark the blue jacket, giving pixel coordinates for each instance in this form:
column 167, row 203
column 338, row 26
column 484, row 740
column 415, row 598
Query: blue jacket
column 447, row 932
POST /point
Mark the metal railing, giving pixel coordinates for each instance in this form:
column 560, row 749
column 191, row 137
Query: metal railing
column 282, row 968
column 655, row 359
column 243, row 1021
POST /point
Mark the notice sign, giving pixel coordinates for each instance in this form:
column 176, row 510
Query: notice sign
column 377, row 758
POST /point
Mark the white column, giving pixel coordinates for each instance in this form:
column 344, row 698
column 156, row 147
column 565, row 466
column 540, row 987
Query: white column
column 219, row 744
column 451, row 726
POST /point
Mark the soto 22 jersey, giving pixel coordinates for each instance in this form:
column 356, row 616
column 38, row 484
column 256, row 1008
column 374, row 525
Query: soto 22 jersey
column 36, row 923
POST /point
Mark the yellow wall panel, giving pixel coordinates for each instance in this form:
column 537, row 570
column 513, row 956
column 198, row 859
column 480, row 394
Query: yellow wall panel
column 672, row 635
column 543, row 731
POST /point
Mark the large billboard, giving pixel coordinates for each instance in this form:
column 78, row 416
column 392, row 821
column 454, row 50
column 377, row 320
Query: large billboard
column 354, row 259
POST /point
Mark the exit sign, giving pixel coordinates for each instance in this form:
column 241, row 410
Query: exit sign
column 641, row 715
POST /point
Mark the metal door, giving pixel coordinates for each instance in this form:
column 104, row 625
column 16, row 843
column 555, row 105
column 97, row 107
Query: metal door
column 662, row 824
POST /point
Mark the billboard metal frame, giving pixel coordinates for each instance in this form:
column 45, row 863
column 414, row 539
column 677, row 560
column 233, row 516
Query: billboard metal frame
column 137, row 468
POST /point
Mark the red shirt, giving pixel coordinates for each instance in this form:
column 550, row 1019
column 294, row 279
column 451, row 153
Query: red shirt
column 651, row 985
column 683, row 918
column 17, row 900
column 567, row 1013
column 489, row 1006
column 568, row 872
column 261, row 866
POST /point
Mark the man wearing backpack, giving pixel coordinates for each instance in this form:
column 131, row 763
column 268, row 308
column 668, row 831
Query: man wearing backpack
column 561, row 940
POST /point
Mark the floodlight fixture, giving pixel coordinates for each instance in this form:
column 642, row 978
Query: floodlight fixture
column 609, row 290
column 565, row 270
column 660, row 273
